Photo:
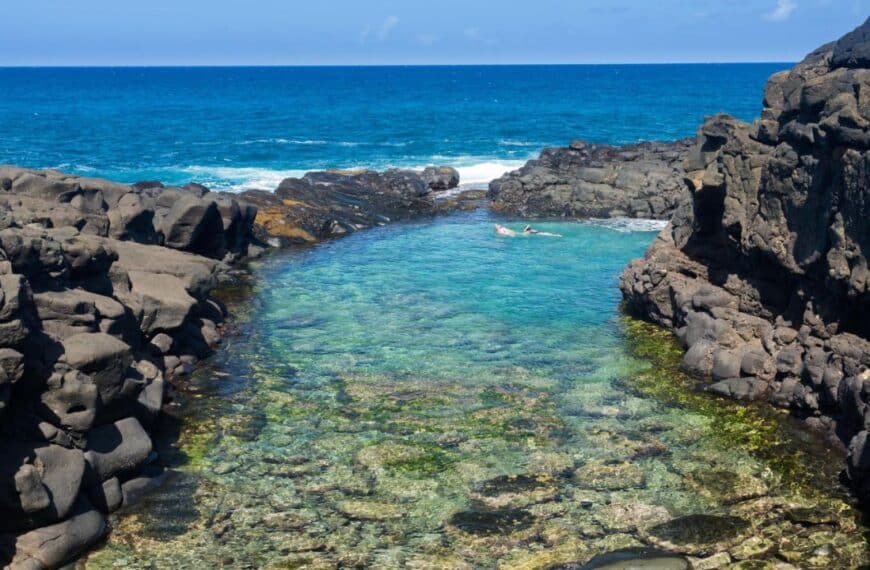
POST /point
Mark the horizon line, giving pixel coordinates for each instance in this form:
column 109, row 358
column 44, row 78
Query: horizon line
column 375, row 65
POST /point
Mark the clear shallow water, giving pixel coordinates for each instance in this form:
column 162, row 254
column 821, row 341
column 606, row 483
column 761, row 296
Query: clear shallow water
column 433, row 396
column 239, row 128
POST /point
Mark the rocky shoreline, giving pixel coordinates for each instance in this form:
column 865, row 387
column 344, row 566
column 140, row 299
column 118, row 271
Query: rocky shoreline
column 762, row 271
column 588, row 180
column 762, row 274
column 106, row 300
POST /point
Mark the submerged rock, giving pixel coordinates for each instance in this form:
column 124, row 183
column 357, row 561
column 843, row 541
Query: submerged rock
column 370, row 510
column 609, row 476
column 490, row 523
column 630, row 558
column 699, row 534
column 515, row 491
column 630, row 516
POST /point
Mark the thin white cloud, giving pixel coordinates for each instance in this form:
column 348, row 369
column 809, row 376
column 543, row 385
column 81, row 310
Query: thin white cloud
column 782, row 12
column 387, row 27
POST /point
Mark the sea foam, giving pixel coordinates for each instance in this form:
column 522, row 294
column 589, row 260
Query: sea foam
column 239, row 179
column 625, row 225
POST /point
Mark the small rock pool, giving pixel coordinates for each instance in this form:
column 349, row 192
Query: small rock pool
column 433, row 396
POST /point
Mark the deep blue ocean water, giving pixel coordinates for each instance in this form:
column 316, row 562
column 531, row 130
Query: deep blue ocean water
column 239, row 128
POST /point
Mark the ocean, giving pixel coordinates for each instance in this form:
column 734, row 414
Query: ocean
column 239, row 128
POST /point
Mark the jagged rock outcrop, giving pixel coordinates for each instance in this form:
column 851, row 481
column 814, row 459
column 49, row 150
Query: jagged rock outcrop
column 763, row 270
column 95, row 318
column 440, row 177
column 332, row 203
column 190, row 219
column 595, row 181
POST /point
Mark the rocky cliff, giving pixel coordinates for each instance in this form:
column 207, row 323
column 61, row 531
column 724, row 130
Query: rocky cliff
column 762, row 271
column 596, row 181
column 103, row 299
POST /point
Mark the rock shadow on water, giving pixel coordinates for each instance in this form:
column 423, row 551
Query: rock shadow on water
column 699, row 534
column 167, row 514
column 492, row 523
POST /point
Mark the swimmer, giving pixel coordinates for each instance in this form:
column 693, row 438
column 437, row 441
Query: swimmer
column 503, row 231
column 530, row 231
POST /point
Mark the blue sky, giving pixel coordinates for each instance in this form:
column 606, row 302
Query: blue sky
column 327, row 32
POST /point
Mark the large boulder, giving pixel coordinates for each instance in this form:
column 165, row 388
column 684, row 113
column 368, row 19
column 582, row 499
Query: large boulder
column 440, row 177
column 39, row 483
column 117, row 448
column 55, row 545
column 193, row 224
column 101, row 356
column 162, row 301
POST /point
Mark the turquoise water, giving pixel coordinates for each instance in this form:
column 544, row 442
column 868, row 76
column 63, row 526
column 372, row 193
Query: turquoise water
column 434, row 396
column 239, row 128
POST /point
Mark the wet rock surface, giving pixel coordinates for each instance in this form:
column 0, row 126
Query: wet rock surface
column 333, row 203
column 762, row 272
column 95, row 276
column 588, row 180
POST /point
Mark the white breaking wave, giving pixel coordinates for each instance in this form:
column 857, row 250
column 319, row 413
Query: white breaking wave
column 484, row 172
column 316, row 142
column 626, row 225
column 284, row 141
column 510, row 142
column 239, row 179
column 474, row 172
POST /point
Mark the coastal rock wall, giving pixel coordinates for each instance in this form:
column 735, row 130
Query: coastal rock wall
column 596, row 181
column 762, row 271
column 95, row 318
column 190, row 219
column 332, row 203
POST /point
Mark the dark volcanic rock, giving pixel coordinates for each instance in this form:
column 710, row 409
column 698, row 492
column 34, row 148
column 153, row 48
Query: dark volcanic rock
column 763, row 270
column 440, row 177
column 333, row 203
column 104, row 297
column 596, row 181
column 190, row 218
column 87, row 297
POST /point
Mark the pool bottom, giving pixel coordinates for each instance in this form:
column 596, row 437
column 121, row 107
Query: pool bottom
column 429, row 397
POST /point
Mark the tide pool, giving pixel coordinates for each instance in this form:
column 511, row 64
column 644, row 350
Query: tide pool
column 431, row 395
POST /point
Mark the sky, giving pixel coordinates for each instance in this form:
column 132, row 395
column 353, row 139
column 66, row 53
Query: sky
column 386, row 32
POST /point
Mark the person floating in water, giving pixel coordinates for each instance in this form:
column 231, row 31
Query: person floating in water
column 527, row 231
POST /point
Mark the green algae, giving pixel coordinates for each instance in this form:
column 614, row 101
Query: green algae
column 420, row 433
column 756, row 428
